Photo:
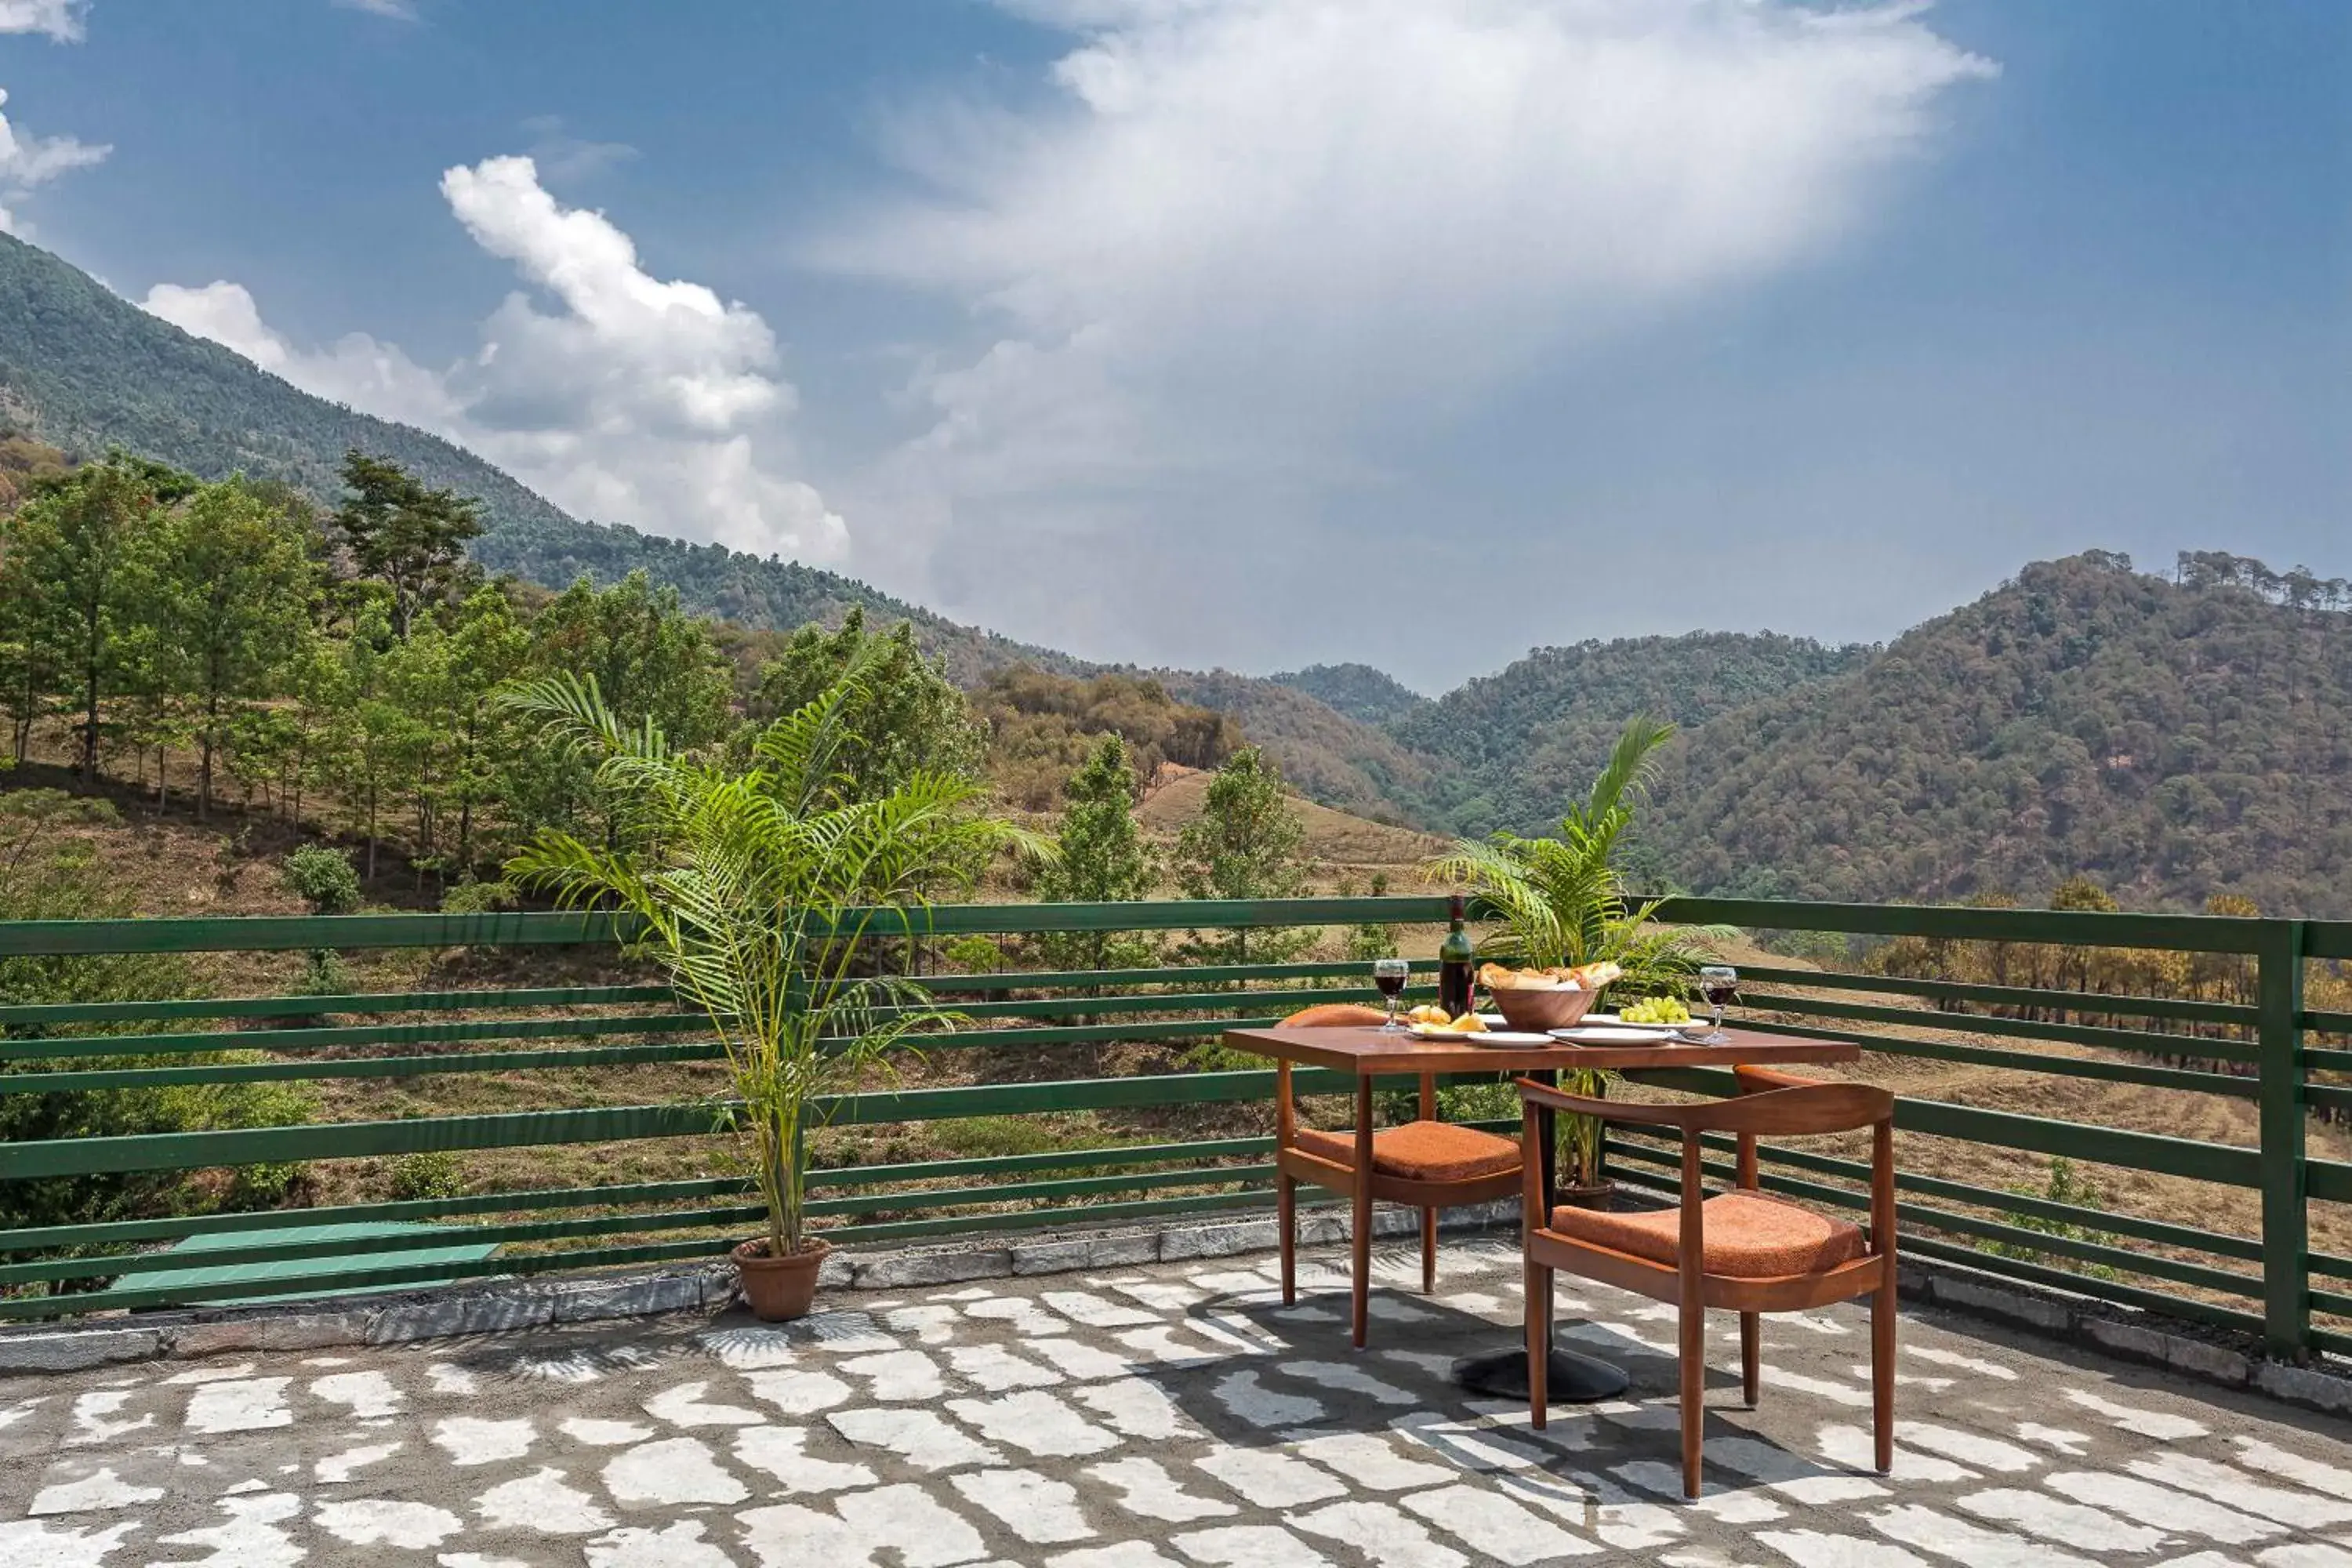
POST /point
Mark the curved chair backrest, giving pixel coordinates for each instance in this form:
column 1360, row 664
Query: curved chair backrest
column 1799, row 1108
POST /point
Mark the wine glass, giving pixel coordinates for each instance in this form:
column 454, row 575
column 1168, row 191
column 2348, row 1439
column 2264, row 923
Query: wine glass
column 1389, row 974
column 1718, row 982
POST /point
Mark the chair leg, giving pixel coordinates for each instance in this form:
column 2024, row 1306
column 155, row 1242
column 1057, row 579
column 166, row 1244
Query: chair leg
column 1750, row 1357
column 1429, row 1252
column 1882, row 1371
column 1286, row 1224
column 1693, row 1326
column 1536, row 1292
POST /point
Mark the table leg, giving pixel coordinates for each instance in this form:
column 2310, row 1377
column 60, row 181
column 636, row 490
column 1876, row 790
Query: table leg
column 1570, row 1378
column 1362, row 1260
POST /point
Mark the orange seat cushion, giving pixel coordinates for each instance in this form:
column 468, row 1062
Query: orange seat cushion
column 1748, row 1235
column 1421, row 1151
column 1336, row 1016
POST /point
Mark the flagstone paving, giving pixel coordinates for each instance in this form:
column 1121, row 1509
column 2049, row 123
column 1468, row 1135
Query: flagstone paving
column 1165, row 1418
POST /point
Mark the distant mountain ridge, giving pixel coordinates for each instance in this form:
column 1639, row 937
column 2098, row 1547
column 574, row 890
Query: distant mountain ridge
column 1359, row 692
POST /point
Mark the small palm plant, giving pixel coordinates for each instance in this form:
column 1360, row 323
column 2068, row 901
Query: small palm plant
column 757, row 888
column 1563, row 900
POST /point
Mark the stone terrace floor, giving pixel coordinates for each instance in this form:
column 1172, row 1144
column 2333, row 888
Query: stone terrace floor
column 1171, row 1415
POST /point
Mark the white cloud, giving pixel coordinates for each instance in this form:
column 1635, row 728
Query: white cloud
column 397, row 10
column 27, row 160
column 635, row 400
column 1233, row 246
column 60, row 19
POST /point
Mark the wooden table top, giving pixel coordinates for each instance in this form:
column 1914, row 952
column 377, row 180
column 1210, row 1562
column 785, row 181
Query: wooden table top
column 1368, row 1052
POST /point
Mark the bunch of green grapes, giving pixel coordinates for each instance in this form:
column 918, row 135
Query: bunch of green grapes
column 1656, row 1010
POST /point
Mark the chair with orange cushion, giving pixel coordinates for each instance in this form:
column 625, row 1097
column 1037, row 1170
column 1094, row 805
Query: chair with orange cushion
column 1427, row 1163
column 1738, row 1250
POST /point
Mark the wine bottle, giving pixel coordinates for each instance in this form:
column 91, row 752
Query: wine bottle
column 1453, row 964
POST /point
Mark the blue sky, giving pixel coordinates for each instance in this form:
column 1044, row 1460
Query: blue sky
column 1229, row 331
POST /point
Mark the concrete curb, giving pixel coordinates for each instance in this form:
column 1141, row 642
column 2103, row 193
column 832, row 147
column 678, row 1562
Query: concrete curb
column 2126, row 1334
column 493, row 1307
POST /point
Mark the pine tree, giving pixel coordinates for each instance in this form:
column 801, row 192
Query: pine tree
column 405, row 536
column 1246, row 844
column 1103, row 861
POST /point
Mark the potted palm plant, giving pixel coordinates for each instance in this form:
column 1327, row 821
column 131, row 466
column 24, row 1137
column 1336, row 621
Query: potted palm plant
column 761, row 889
column 1563, row 901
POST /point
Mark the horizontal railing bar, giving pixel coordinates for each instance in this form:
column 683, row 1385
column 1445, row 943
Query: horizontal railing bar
column 1167, row 1001
column 252, row 933
column 2336, row 1096
column 354, row 1067
column 1115, row 979
column 2327, row 939
column 2329, row 1180
column 2321, row 1022
column 1047, row 1160
column 302, row 1006
column 2332, row 1301
column 2231, row 1013
column 455, row 1032
column 2227, row 1164
column 1031, row 1219
column 2146, row 1042
column 353, row 1139
column 2073, row 928
column 2321, row 1060
column 1021, row 1192
column 2185, row 1079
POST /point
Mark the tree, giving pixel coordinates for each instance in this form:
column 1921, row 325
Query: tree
column 911, row 717
column 1246, row 844
column 76, row 549
column 233, row 597
column 408, row 536
column 1102, row 859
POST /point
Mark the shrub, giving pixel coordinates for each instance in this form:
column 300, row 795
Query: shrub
column 428, row 1173
column 268, row 1185
column 472, row 897
column 322, row 878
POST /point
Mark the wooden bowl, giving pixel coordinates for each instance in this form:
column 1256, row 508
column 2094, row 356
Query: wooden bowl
column 1534, row 1011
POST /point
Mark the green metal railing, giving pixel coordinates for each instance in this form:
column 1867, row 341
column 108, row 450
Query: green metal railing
column 2269, row 1282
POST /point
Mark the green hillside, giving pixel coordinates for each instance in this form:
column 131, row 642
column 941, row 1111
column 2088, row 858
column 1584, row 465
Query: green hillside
column 1519, row 744
column 1356, row 691
column 2171, row 738
column 84, row 369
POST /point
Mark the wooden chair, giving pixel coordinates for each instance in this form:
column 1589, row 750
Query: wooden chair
column 1740, row 1251
column 1427, row 1163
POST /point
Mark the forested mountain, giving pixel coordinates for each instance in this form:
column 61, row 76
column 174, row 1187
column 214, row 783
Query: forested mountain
column 1520, row 743
column 84, row 369
column 2173, row 739
column 1324, row 754
column 1357, row 692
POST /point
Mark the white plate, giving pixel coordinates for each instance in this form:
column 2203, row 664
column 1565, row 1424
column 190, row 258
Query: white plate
column 1489, row 1037
column 1611, row 1035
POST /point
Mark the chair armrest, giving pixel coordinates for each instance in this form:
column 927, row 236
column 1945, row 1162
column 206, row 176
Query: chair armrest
column 1543, row 1094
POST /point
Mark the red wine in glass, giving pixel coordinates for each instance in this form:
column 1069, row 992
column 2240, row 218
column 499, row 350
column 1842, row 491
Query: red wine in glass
column 1718, row 984
column 1389, row 974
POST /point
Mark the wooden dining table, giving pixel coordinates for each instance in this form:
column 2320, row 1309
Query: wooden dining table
column 1370, row 1054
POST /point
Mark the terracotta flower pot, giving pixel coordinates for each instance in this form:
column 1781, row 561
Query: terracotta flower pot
column 778, row 1289
column 1600, row 1195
